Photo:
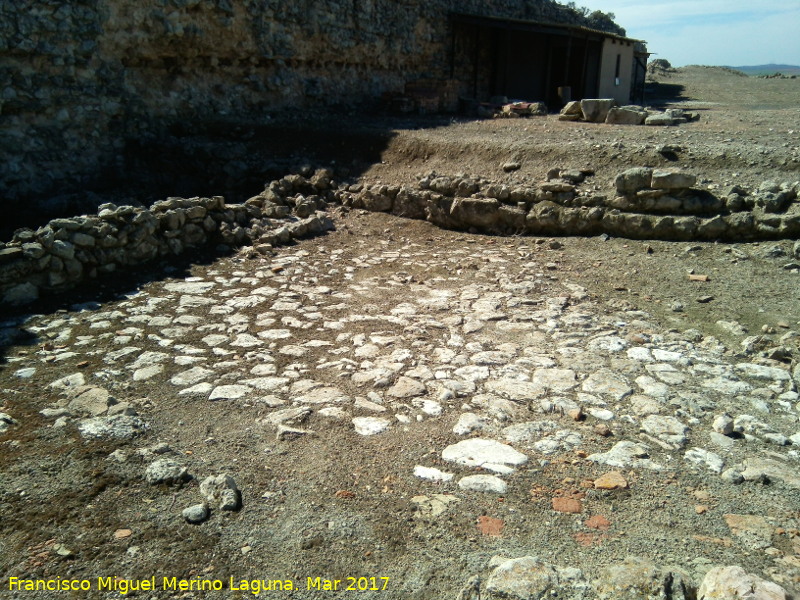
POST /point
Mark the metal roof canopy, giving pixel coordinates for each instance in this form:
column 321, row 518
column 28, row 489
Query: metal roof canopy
column 538, row 27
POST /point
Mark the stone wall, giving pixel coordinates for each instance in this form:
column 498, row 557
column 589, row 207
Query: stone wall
column 83, row 78
column 648, row 204
column 65, row 252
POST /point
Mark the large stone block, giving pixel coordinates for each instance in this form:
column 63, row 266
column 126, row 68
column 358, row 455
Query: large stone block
column 475, row 212
column 626, row 115
column 672, row 180
column 633, row 180
column 596, row 110
column 659, row 119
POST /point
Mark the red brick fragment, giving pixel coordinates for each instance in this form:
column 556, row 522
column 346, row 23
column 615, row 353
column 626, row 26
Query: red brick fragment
column 567, row 505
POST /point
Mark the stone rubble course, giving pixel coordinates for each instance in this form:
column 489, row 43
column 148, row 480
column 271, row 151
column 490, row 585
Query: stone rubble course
column 733, row 583
column 531, row 578
column 652, row 204
column 335, row 380
column 69, row 251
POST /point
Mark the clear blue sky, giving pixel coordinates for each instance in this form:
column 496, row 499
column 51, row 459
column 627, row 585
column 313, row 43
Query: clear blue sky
column 711, row 32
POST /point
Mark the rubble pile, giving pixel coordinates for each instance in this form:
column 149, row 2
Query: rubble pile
column 606, row 111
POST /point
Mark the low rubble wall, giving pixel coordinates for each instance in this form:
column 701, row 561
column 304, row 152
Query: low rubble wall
column 648, row 204
column 674, row 211
column 65, row 252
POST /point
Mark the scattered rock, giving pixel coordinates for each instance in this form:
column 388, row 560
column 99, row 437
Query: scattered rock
column 121, row 427
column 488, row 454
column 434, row 506
column 732, row 583
column 6, row 422
column 166, row 470
column 490, row 526
column 196, row 514
column 626, row 455
column 613, row 480
column 483, row 483
column 567, row 505
column 370, row 425
column 723, row 424
column 221, row 491
column 432, row 474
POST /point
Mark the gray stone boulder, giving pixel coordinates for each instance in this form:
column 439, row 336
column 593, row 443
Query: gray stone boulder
column 672, row 180
column 23, row 293
column 660, row 119
column 595, row 110
column 635, row 179
column 626, row 115
column 221, row 491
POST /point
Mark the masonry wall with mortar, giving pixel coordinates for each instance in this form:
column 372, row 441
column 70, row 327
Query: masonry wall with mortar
column 84, row 77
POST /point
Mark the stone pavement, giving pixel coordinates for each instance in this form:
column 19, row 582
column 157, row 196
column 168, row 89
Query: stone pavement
column 489, row 339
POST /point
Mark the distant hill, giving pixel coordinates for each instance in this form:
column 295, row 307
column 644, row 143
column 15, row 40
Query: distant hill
column 769, row 69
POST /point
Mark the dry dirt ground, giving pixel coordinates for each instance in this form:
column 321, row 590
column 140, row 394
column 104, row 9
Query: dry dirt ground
column 411, row 327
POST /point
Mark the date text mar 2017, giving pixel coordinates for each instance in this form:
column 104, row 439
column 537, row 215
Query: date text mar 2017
column 350, row 584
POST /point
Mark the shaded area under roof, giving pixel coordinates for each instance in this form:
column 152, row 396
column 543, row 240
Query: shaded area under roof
column 538, row 27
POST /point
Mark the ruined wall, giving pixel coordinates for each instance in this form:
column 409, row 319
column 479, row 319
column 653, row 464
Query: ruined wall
column 648, row 204
column 65, row 252
column 82, row 78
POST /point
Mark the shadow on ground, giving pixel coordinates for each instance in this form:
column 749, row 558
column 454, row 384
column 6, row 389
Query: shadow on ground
column 659, row 94
column 230, row 158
